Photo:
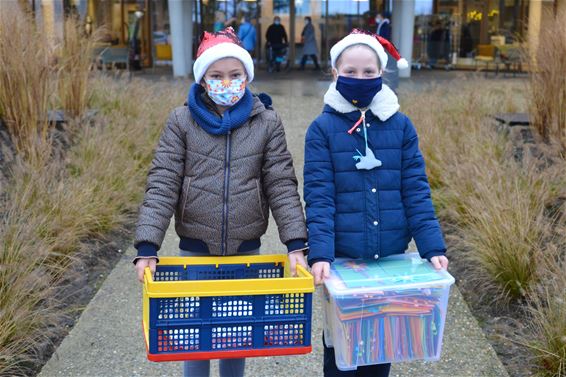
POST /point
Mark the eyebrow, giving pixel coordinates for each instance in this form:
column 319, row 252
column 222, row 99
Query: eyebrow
column 366, row 67
column 236, row 70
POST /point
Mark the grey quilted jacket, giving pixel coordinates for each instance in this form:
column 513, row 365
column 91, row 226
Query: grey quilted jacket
column 220, row 188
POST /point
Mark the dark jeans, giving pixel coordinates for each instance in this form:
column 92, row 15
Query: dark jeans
column 331, row 370
column 314, row 59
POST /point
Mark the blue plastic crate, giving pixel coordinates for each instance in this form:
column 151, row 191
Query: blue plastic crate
column 199, row 327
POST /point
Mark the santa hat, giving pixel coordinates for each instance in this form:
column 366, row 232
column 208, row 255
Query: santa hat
column 374, row 41
column 216, row 46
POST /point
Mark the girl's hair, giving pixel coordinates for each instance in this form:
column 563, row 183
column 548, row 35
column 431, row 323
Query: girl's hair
column 358, row 45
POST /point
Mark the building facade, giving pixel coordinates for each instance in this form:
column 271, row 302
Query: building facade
column 428, row 32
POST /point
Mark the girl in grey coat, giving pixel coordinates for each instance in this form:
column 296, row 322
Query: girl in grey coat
column 221, row 164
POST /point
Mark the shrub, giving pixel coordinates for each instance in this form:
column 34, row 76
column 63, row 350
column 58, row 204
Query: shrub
column 74, row 59
column 547, row 316
column 496, row 206
column 25, row 81
column 548, row 80
column 50, row 212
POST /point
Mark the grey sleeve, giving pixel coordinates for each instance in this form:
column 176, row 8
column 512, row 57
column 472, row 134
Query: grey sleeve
column 164, row 182
column 280, row 186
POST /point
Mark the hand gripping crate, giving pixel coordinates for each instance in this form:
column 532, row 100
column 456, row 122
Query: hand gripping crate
column 197, row 308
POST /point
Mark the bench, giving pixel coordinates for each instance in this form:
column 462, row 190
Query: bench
column 111, row 56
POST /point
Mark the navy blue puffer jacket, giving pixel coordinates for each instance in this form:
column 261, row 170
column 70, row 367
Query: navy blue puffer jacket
column 367, row 213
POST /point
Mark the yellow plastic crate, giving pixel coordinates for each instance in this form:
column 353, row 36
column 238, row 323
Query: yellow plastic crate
column 225, row 307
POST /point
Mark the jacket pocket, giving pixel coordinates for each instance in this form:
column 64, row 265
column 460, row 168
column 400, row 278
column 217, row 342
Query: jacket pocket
column 259, row 200
column 185, row 196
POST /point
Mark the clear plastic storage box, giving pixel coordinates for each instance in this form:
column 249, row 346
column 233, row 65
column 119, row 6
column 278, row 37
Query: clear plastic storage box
column 385, row 311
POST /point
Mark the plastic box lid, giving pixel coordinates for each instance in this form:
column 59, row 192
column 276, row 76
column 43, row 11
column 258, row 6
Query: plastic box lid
column 396, row 272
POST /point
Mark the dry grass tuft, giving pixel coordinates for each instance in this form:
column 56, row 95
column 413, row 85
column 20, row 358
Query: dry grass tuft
column 50, row 212
column 507, row 216
column 547, row 320
column 25, row 81
column 548, row 80
column 496, row 205
column 74, row 58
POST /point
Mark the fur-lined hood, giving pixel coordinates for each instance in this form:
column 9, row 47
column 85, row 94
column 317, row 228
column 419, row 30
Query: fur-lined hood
column 383, row 105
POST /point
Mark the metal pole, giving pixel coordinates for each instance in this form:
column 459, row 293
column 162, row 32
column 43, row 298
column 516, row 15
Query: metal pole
column 292, row 34
column 122, row 11
column 326, row 36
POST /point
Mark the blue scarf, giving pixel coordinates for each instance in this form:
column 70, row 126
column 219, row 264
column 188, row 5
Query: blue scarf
column 232, row 118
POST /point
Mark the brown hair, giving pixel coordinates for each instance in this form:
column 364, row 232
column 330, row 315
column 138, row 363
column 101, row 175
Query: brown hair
column 358, row 45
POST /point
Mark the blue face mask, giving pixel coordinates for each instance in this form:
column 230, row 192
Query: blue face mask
column 359, row 92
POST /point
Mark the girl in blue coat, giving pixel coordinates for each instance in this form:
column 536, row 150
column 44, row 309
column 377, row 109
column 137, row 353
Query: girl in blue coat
column 366, row 189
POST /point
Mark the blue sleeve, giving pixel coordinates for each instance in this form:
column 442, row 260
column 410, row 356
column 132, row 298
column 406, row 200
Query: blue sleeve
column 415, row 190
column 319, row 195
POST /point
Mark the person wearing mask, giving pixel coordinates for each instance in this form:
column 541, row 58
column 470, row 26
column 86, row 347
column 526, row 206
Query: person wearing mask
column 365, row 185
column 220, row 167
column 309, row 44
column 277, row 41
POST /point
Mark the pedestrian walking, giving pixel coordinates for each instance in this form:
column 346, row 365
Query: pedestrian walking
column 310, row 49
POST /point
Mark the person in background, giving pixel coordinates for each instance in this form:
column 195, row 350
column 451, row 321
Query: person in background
column 247, row 35
column 309, row 44
column 277, row 42
column 219, row 19
column 390, row 73
column 276, row 34
column 383, row 25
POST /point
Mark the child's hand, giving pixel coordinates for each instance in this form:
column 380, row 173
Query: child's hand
column 142, row 263
column 320, row 271
column 439, row 262
column 296, row 257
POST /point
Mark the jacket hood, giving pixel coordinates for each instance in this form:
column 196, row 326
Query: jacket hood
column 262, row 102
column 383, row 105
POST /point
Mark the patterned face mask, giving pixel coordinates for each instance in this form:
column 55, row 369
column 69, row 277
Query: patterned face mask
column 226, row 92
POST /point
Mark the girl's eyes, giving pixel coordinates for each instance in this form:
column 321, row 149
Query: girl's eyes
column 219, row 77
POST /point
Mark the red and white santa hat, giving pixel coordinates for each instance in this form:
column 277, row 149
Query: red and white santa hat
column 374, row 41
column 216, row 46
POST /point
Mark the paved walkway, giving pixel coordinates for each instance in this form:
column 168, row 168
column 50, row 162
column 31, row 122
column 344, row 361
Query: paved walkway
column 107, row 340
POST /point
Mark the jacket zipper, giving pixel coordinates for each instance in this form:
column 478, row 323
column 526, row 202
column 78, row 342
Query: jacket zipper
column 226, row 192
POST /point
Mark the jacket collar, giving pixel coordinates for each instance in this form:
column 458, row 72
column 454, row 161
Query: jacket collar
column 383, row 105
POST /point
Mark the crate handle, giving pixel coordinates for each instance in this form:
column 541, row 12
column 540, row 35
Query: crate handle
column 147, row 277
column 301, row 271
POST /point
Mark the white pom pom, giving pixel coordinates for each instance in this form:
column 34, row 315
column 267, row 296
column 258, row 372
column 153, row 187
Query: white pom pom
column 402, row 63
